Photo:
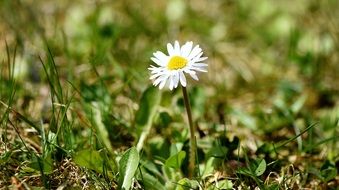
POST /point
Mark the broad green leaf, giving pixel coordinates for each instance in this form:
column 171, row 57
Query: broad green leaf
column 159, row 147
column 261, row 168
column 175, row 148
column 208, row 168
column 176, row 160
column 244, row 171
column 186, row 184
column 217, row 151
column 149, row 101
column 170, row 173
column 225, row 184
column 128, row 165
column 151, row 168
column 90, row 159
column 152, row 183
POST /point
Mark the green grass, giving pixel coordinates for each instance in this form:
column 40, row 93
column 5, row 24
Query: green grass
column 77, row 108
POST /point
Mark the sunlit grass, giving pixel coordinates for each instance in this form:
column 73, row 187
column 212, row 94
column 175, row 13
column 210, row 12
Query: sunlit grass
column 75, row 95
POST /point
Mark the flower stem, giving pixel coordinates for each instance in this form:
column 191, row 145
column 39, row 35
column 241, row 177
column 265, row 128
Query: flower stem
column 193, row 144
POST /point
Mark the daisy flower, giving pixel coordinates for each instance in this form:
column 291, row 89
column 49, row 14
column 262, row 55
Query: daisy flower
column 171, row 69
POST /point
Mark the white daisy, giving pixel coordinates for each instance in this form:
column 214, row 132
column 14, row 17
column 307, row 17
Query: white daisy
column 171, row 68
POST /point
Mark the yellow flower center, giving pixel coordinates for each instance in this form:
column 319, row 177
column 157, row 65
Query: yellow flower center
column 176, row 62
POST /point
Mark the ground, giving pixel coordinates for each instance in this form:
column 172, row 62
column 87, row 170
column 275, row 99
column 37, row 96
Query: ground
column 76, row 98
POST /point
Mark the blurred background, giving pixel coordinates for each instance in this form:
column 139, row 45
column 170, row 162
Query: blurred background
column 273, row 71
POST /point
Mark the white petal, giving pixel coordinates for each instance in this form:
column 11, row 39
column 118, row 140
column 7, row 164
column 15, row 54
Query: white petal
column 196, row 50
column 160, row 79
column 152, row 67
column 176, row 79
column 170, row 49
column 196, row 58
column 157, row 61
column 161, row 56
column 201, row 59
column 157, row 81
column 186, row 49
column 199, row 69
column 157, row 69
column 171, row 85
column 194, row 76
column 162, row 84
column 189, row 71
column 176, row 48
column 156, row 75
column 199, row 65
column 182, row 79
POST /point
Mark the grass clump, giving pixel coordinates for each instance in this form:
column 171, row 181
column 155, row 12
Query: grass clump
column 75, row 98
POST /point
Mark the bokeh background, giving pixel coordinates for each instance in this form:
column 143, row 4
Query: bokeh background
column 74, row 72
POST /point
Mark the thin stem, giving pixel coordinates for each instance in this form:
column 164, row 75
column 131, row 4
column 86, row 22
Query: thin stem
column 193, row 144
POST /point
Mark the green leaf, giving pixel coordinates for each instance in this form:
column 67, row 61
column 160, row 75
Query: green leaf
column 5, row 157
column 176, row 160
column 152, row 183
column 261, row 168
column 217, row 152
column 225, row 184
column 151, row 168
column 186, row 184
column 209, row 167
column 149, row 101
column 90, row 159
column 42, row 165
column 328, row 174
column 96, row 114
column 244, row 171
column 128, row 165
column 273, row 187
